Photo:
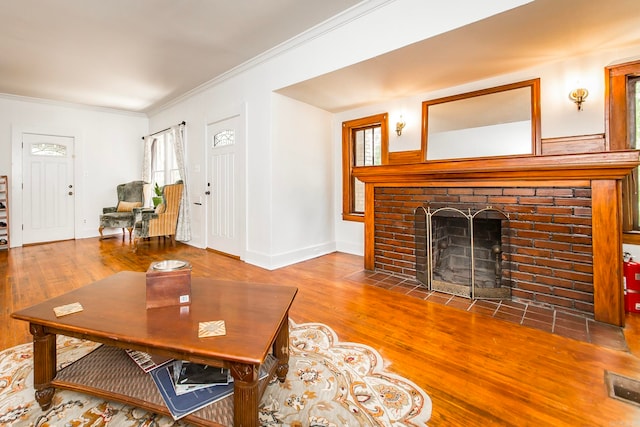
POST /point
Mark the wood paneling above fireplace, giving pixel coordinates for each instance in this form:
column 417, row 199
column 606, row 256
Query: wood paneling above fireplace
column 601, row 172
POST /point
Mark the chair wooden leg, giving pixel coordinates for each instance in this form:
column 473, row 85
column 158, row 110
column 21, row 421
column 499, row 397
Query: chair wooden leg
column 100, row 231
column 130, row 232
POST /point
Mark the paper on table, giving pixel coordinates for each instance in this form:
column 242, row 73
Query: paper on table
column 212, row 329
column 63, row 310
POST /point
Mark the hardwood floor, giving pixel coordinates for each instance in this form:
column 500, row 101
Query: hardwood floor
column 478, row 370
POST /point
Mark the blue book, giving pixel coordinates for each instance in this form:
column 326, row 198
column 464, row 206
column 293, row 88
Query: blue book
column 184, row 404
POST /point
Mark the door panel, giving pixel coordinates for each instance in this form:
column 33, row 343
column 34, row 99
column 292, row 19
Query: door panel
column 48, row 188
column 222, row 187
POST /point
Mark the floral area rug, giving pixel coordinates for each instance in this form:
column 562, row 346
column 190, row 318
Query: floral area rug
column 330, row 383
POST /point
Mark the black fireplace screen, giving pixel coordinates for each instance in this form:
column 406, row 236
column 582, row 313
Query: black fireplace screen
column 464, row 253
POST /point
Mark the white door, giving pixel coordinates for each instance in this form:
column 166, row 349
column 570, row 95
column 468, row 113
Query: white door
column 222, row 187
column 48, row 188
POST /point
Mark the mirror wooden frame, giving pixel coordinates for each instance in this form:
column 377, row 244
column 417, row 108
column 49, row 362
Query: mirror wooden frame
column 533, row 84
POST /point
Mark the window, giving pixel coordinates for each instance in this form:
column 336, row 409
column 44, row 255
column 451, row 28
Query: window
column 46, row 149
column 623, row 132
column 164, row 167
column 365, row 142
column 223, row 138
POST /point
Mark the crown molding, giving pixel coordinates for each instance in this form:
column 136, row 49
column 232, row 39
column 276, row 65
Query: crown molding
column 66, row 104
column 347, row 16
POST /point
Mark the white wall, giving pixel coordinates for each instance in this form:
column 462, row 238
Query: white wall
column 302, row 179
column 108, row 151
column 358, row 35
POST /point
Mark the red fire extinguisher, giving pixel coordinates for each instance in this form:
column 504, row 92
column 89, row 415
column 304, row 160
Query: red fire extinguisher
column 631, row 284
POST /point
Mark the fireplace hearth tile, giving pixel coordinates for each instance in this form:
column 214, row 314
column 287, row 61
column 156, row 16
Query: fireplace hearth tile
column 493, row 305
column 606, row 335
column 439, row 298
column 479, row 309
column 484, row 307
column 394, row 280
column 539, row 314
column 569, row 317
column 514, row 304
column 509, row 316
column 568, row 321
column 513, row 313
column 546, row 326
column 419, row 292
column 509, row 309
column 461, row 303
column 576, row 334
column 403, row 288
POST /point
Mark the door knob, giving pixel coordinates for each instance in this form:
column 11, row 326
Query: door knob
column 207, row 192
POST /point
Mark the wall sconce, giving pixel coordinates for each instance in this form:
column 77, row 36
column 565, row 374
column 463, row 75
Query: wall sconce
column 578, row 96
column 399, row 126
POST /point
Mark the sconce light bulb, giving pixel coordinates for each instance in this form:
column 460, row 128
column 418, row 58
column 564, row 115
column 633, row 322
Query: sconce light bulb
column 578, row 96
column 399, row 126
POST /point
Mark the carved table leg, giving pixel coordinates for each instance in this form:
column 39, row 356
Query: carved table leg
column 281, row 350
column 44, row 364
column 245, row 395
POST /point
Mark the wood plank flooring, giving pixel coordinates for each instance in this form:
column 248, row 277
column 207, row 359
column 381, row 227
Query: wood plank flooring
column 478, row 370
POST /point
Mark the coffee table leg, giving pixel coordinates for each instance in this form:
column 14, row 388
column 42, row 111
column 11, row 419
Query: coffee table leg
column 44, row 364
column 281, row 350
column 245, row 395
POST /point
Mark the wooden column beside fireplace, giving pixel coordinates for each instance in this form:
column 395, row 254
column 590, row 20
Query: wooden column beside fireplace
column 601, row 172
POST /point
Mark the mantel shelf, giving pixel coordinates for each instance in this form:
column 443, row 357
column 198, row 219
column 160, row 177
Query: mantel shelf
column 588, row 166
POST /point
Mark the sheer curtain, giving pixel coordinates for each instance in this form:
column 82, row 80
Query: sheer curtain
column 183, row 232
column 147, row 158
column 147, row 161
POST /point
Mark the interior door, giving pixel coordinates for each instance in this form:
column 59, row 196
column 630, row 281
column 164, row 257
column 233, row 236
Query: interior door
column 223, row 187
column 48, row 188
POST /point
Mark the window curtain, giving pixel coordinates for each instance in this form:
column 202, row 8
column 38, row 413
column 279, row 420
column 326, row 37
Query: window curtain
column 183, row 231
column 147, row 160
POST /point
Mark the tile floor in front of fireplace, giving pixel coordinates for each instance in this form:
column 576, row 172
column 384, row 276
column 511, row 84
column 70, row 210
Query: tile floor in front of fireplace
column 549, row 320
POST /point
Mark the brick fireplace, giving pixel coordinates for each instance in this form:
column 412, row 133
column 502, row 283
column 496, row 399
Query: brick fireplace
column 549, row 237
column 564, row 214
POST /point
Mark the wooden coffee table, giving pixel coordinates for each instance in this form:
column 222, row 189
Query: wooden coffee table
column 114, row 313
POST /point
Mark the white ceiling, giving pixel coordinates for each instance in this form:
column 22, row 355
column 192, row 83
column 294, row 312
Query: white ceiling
column 138, row 55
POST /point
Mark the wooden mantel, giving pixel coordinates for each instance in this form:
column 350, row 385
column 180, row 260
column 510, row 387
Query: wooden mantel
column 606, row 165
column 602, row 172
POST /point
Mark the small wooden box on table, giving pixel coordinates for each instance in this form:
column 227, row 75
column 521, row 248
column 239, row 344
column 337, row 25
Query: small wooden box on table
column 257, row 333
column 168, row 283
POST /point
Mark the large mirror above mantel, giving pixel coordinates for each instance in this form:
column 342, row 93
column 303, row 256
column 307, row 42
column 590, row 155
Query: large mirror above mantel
column 493, row 122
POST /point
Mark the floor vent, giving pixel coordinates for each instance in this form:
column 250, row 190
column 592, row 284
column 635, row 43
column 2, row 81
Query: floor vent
column 623, row 388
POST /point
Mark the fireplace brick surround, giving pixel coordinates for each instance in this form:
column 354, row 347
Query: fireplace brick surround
column 550, row 237
column 565, row 221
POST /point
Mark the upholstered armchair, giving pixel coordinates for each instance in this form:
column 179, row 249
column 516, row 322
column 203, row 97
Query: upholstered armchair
column 161, row 221
column 130, row 196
